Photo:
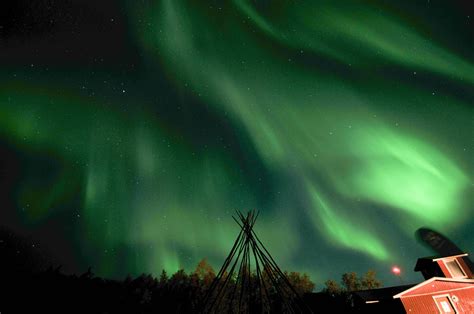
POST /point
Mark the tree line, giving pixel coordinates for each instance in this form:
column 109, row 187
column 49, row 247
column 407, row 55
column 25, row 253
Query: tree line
column 27, row 281
column 180, row 292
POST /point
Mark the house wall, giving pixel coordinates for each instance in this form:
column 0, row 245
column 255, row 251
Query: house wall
column 466, row 301
column 424, row 303
column 444, row 269
column 461, row 262
column 419, row 305
column 465, row 267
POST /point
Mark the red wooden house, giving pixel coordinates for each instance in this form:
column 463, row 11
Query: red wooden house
column 439, row 295
column 448, row 288
column 449, row 267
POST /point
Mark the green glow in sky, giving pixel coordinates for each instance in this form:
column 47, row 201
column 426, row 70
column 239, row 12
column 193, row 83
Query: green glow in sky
column 346, row 127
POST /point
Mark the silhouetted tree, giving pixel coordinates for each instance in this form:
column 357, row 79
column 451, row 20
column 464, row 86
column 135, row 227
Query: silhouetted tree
column 332, row 287
column 205, row 272
column 369, row 281
column 351, row 281
column 163, row 278
column 340, row 294
column 301, row 282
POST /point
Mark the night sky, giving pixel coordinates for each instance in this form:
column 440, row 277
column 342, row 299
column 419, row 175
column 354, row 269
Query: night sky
column 130, row 131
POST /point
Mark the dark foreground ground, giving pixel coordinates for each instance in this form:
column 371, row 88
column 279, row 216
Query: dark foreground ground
column 29, row 284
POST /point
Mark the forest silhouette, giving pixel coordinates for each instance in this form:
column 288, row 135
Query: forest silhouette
column 30, row 280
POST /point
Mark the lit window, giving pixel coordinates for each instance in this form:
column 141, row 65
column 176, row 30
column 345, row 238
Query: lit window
column 444, row 304
column 446, row 307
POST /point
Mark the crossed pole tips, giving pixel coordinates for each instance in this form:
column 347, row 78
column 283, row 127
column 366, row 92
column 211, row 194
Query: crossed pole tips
column 250, row 281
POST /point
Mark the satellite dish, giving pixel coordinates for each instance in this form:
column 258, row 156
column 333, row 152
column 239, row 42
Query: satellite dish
column 440, row 244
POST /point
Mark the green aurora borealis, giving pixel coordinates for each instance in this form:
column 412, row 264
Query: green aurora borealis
column 348, row 126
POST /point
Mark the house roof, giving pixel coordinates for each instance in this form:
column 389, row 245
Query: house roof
column 421, row 262
column 373, row 295
column 440, row 279
column 451, row 256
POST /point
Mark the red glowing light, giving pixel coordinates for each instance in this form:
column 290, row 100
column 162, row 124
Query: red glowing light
column 396, row 270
